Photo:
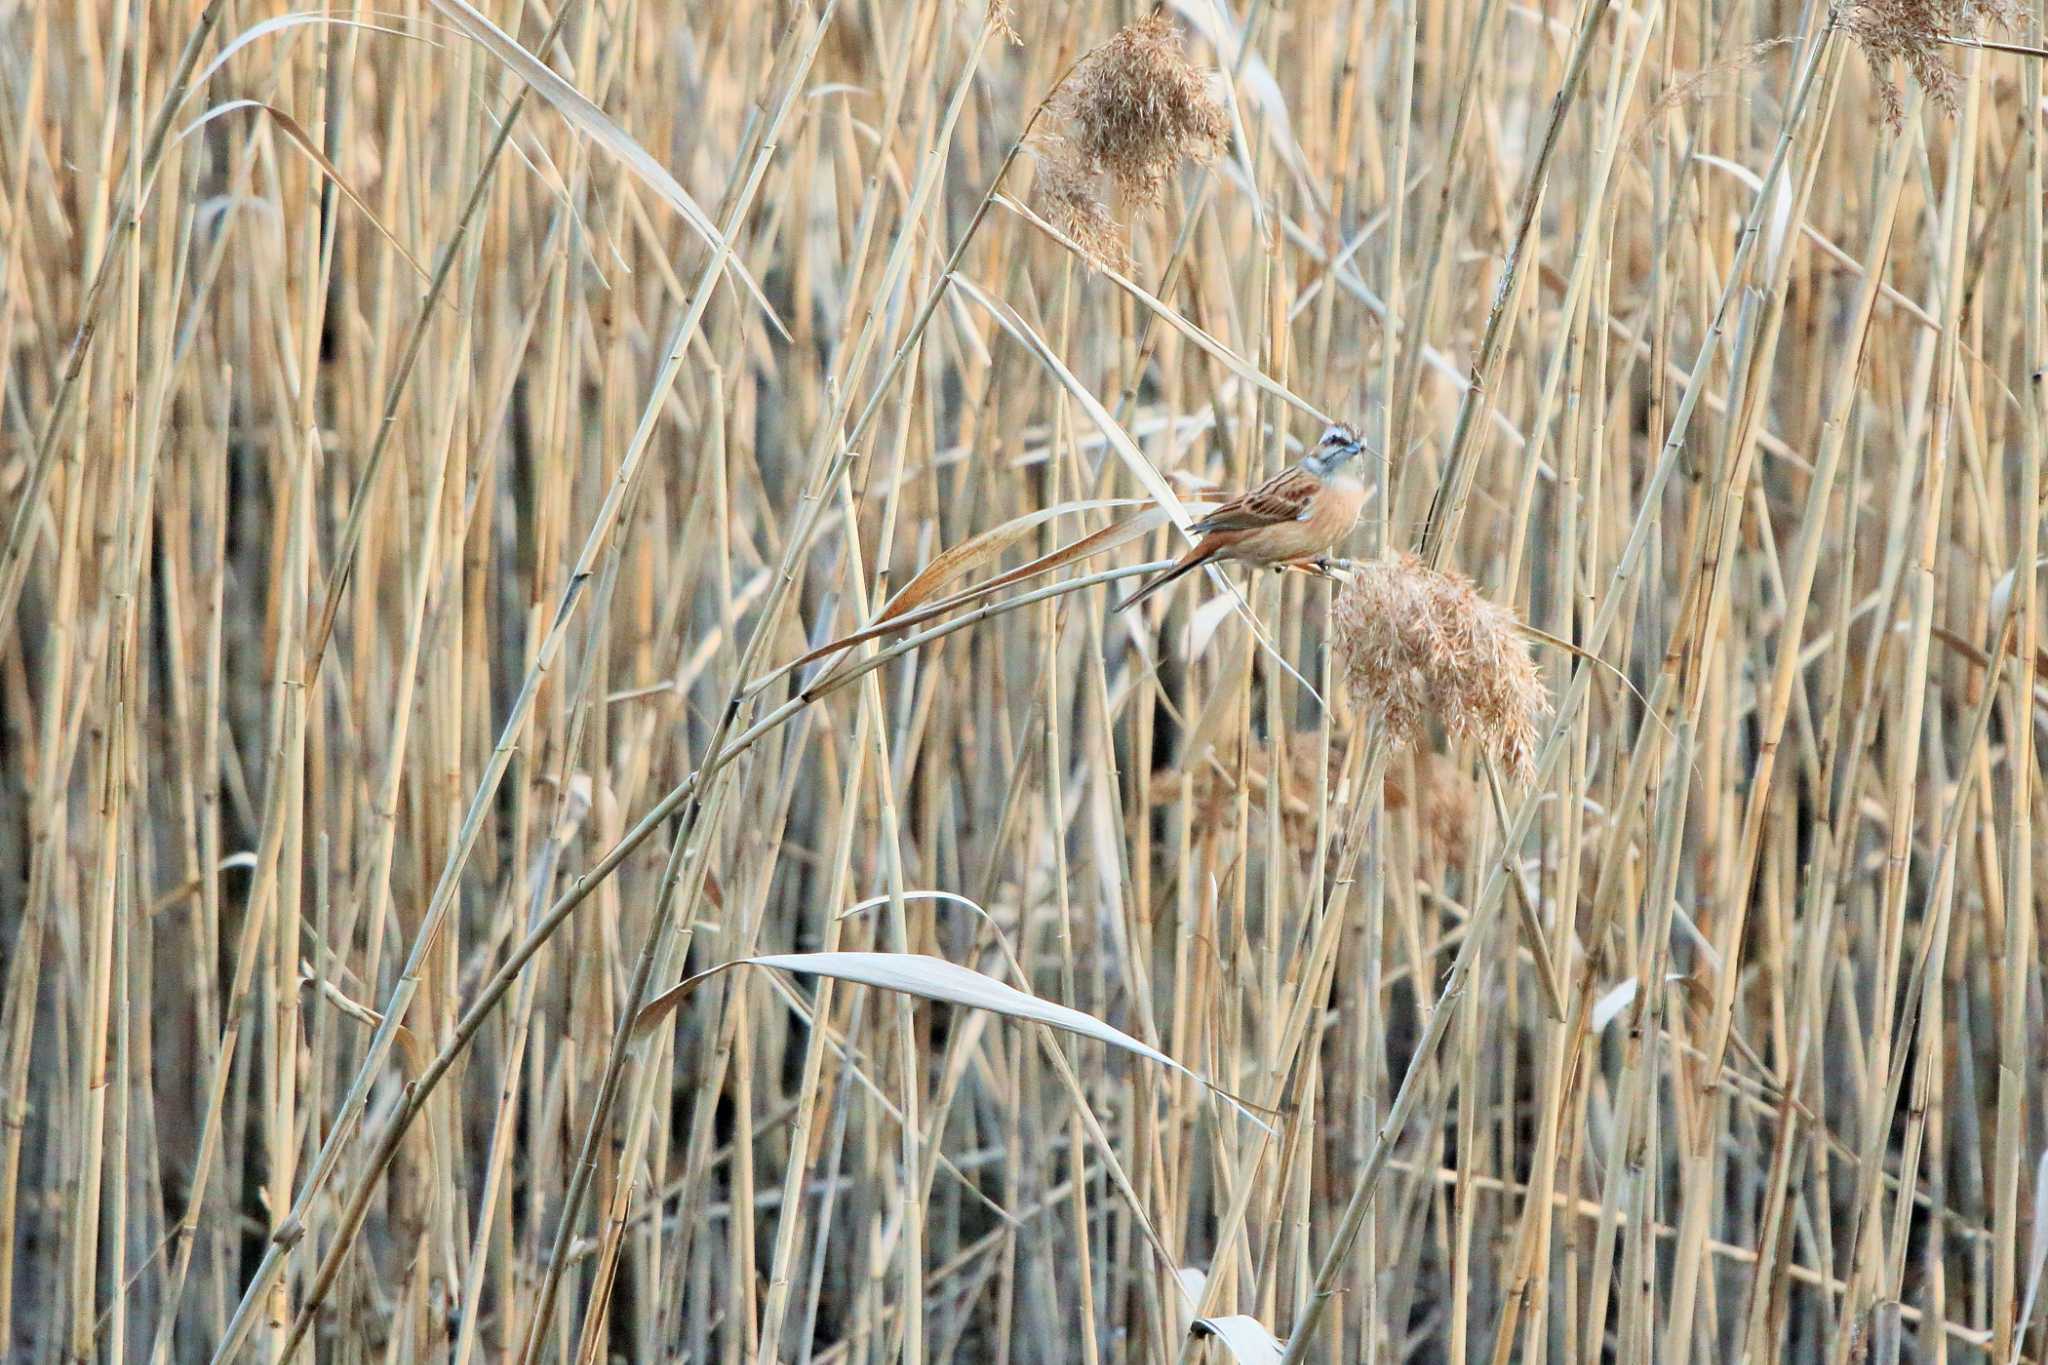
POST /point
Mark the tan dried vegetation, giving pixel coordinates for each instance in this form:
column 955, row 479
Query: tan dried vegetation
column 569, row 790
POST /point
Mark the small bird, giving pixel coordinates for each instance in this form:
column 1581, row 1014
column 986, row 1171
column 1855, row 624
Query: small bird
column 1292, row 518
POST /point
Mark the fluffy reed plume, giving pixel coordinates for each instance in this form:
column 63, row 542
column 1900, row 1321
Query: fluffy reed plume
column 1066, row 188
column 1003, row 20
column 1138, row 108
column 1417, row 642
column 1912, row 31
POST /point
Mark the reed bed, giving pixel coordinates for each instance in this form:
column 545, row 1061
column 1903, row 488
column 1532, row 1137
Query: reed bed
column 570, row 790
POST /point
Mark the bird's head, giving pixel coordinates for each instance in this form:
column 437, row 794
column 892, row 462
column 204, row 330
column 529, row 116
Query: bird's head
column 1340, row 445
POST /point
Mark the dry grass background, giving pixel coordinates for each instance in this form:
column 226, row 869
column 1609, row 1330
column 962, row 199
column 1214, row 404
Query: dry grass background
column 412, row 513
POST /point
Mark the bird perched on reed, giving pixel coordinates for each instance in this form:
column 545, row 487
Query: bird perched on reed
column 1295, row 517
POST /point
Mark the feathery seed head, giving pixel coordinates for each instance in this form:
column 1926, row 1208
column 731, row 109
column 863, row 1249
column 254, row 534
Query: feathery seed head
column 1415, row 641
column 1139, row 108
column 1003, row 20
column 1913, row 32
column 1066, row 189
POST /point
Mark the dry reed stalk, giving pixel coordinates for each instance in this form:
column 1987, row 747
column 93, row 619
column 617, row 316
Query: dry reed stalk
column 299, row 930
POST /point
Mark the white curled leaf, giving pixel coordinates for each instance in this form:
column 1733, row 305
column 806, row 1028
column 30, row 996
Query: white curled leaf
column 1612, row 1004
column 1246, row 1338
column 933, row 978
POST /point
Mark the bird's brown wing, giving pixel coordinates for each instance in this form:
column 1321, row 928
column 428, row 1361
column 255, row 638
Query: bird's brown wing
column 1285, row 497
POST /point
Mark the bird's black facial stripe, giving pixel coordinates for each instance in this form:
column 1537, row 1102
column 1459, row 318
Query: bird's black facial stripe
column 1339, row 443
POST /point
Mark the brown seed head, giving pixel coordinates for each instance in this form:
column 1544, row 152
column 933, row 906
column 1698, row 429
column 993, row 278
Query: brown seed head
column 1139, row 108
column 1416, row 642
column 1003, row 20
column 1066, row 188
column 1912, row 31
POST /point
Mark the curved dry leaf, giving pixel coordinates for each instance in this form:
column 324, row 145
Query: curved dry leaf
column 573, row 105
column 1246, row 1337
column 2001, row 591
column 933, row 978
column 874, row 902
column 980, row 549
column 1611, row 1004
column 896, row 618
column 1206, row 622
column 284, row 21
column 413, row 1055
column 300, row 138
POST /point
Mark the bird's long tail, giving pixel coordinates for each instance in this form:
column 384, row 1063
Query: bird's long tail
column 1195, row 560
